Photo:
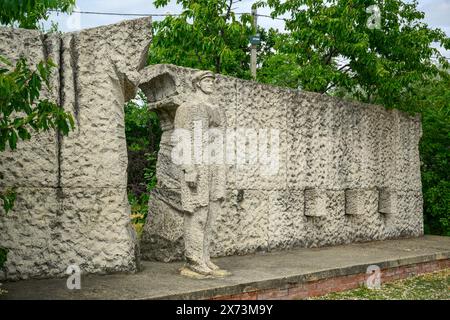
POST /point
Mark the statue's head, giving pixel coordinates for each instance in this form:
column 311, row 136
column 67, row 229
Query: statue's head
column 204, row 80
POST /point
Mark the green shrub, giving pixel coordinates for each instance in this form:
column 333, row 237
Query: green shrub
column 143, row 134
column 435, row 157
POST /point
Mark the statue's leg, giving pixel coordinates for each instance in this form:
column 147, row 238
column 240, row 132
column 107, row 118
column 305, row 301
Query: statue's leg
column 194, row 238
column 207, row 241
column 216, row 270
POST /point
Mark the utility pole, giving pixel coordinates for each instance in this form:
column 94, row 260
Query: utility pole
column 254, row 44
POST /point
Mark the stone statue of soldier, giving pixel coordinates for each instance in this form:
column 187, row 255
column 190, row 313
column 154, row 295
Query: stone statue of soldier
column 202, row 182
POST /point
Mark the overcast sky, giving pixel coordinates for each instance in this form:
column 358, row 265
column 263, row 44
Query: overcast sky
column 437, row 13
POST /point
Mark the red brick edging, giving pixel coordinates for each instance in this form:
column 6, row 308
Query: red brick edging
column 336, row 284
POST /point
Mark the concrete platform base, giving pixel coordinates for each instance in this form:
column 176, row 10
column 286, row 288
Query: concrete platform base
column 279, row 275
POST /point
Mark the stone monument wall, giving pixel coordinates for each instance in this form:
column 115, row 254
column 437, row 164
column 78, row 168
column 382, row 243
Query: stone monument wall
column 343, row 171
column 72, row 205
column 347, row 171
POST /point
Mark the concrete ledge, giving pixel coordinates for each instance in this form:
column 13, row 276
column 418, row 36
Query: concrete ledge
column 279, row 275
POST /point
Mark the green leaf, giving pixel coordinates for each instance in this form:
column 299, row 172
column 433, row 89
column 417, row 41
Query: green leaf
column 28, row 13
column 23, row 133
column 8, row 198
column 5, row 61
column 12, row 139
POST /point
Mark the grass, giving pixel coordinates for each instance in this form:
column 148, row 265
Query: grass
column 431, row 286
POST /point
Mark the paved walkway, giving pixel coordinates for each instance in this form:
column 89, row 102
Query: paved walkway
column 261, row 271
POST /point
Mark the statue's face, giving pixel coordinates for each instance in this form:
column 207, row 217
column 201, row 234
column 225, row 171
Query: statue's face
column 207, row 85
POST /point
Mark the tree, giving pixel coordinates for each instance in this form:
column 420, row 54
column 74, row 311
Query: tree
column 207, row 35
column 330, row 45
column 27, row 13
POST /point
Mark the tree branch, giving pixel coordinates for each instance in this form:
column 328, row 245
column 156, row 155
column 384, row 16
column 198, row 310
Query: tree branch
column 343, row 67
column 332, row 85
column 227, row 15
column 330, row 55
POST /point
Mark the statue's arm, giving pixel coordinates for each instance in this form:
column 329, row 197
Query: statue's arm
column 184, row 119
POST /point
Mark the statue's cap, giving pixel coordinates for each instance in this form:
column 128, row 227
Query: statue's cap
column 200, row 75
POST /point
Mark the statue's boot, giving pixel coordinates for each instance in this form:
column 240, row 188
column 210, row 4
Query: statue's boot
column 216, row 270
column 196, row 271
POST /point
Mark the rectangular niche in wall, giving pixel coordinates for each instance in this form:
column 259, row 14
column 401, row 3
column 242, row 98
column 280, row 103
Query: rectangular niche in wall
column 387, row 201
column 354, row 202
column 315, row 203
column 361, row 201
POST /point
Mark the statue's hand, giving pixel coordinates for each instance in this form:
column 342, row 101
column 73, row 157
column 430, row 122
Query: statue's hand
column 190, row 177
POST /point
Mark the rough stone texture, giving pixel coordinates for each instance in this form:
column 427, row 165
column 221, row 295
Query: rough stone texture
column 72, row 205
column 347, row 171
column 35, row 47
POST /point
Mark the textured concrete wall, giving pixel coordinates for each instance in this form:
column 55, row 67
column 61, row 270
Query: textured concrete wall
column 348, row 172
column 72, row 203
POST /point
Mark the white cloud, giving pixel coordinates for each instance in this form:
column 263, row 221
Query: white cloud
column 437, row 13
